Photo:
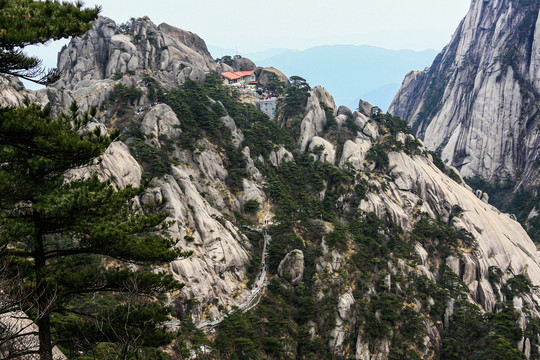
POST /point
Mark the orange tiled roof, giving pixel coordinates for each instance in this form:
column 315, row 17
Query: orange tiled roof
column 236, row 75
column 245, row 73
column 229, row 75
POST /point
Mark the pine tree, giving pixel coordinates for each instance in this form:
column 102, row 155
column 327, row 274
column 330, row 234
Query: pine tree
column 28, row 22
column 80, row 250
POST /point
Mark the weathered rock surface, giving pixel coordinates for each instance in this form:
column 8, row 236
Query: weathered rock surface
column 93, row 64
column 365, row 108
column 115, row 164
column 18, row 325
column 263, row 75
column 354, row 153
column 161, row 121
column 243, row 64
column 195, row 191
column 13, row 93
column 337, row 337
column 237, row 136
column 292, row 265
column 343, row 110
column 118, row 164
column 502, row 242
column 325, row 148
column 164, row 51
column 314, row 121
column 217, row 267
column 251, row 192
column 216, row 270
column 478, row 103
column 200, row 202
column 279, row 155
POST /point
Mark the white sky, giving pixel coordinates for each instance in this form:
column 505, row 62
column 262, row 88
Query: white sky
column 250, row 26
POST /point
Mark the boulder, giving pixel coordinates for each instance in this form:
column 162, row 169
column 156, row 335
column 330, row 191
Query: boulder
column 343, row 110
column 365, row 108
column 243, row 64
column 263, row 75
column 292, row 266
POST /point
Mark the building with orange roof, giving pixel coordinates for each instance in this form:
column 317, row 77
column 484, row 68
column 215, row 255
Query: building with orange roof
column 238, row 77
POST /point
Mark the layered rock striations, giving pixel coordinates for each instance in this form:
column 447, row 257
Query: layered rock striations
column 90, row 64
column 164, row 50
column 478, row 104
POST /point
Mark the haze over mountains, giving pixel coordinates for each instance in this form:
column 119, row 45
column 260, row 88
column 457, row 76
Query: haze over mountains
column 348, row 72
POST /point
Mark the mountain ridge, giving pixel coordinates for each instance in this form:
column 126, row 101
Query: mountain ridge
column 478, row 103
column 349, row 72
column 395, row 247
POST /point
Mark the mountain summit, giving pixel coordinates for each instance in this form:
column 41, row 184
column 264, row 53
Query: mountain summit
column 478, row 104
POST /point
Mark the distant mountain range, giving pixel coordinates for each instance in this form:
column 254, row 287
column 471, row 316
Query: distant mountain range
column 218, row 52
column 348, row 72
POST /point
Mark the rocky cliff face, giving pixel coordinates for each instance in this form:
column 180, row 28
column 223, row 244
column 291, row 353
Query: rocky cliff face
column 198, row 200
column 89, row 64
column 478, row 104
column 165, row 51
column 376, row 245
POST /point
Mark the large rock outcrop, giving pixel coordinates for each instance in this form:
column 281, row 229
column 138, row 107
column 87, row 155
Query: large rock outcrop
column 314, row 121
column 170, row 54
column 13, row 93
column 292, row 266
column 195, row 190
column 478, row 104
column 502, row 242
column 264, row 75
column 108, row 55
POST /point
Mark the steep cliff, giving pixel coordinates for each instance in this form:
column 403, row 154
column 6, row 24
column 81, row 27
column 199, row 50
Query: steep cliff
column 95, row 69
column 478, row 104
column 164, row 50
column 90, row 65
column 378, row 249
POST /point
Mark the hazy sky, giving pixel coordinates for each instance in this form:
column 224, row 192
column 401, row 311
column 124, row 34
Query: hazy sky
column 299, row 24
column 251, row 26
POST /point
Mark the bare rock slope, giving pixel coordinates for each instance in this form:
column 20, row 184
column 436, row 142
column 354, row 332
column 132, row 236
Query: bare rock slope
column 478, row 104
column 205, row 204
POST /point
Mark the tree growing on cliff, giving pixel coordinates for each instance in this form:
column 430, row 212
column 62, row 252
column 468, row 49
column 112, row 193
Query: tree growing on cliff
column 78, row 247
column 275, row 85
column 296, row 96
column 28, row 22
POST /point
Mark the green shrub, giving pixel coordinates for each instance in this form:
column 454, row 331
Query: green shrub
column 251, row 206
column 377, row 154
column 117, row 76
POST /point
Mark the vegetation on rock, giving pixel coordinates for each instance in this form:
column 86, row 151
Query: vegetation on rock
column 79, row 249
column 84, row 252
